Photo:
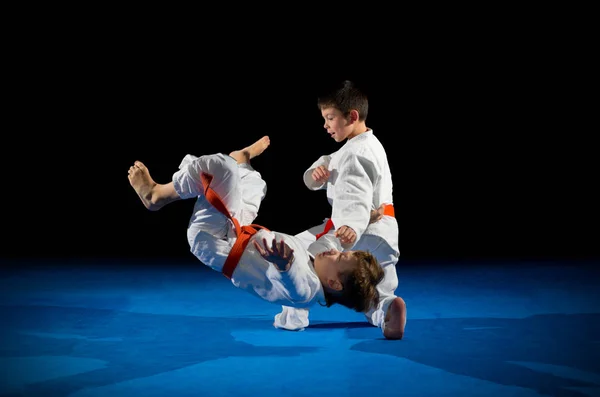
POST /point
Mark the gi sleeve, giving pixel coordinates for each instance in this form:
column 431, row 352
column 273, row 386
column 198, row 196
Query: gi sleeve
column 299, row 285
column 308, row 181
column 291, row 319
column 353, row 194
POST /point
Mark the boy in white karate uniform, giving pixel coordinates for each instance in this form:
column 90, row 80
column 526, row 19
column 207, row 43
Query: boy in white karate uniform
column 358, row 180
column 273, row 266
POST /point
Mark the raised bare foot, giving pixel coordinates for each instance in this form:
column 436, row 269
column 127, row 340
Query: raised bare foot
column 258, row 147
column 249, row 152
column 395, row 319
column 142, row 183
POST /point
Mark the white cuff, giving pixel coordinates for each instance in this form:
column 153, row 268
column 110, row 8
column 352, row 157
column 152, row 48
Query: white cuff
column 291, row 319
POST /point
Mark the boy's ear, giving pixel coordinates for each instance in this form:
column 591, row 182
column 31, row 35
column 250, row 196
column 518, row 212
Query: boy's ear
column 334, row 284
column 354, row 116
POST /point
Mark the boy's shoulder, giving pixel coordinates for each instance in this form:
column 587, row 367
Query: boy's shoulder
column 366, row 144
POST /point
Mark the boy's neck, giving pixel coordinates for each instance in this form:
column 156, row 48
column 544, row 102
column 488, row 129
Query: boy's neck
column 359, row 130
column 318, row 272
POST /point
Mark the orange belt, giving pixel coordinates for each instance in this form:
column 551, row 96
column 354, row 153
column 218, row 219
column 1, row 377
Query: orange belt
column 388, row 210
column 243, row 232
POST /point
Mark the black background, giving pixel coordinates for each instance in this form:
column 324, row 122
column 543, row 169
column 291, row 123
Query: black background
column 487, row 137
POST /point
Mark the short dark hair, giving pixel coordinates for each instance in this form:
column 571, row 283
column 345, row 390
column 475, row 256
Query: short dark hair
column 345, row 97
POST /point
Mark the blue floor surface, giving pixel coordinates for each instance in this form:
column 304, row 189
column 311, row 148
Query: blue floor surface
column 84, row 330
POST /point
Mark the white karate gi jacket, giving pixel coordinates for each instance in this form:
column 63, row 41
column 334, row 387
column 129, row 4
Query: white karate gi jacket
column 360, row 181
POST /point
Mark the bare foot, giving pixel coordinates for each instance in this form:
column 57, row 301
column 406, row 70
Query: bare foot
column 142, row 183
column 395, row 319
column 258, row 147
column 249, row 152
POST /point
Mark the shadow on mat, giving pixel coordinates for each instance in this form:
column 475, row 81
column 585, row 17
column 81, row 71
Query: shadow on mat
column 127, row 345
column 341, row 325
column 547, row 353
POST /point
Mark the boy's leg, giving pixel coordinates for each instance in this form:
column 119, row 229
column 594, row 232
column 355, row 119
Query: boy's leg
column 243, row 156
column 395, row 319
column 253, row 187
column 186, row 182
column 232, row 177
column 390, row 313
column 154, row 196
column 386, row 289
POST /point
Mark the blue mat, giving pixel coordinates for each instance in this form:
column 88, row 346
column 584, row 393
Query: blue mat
column 169, row 330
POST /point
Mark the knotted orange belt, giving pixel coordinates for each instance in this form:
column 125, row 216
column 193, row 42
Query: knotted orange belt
column 243, row 232
column 388, row 209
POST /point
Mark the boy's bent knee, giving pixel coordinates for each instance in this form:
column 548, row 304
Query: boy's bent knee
column 395, row 320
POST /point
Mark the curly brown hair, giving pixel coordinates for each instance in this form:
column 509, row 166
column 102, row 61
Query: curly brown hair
column 359, row 290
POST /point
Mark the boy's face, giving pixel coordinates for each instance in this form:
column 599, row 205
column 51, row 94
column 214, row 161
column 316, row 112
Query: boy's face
column 333, row 262
column 338, row 127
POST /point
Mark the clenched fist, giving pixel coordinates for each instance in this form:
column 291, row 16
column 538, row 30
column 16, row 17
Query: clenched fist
column 320, row 174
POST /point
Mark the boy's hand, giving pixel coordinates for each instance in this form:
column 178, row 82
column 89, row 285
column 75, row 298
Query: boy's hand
column 320, row 174
column 377, row 214
column 347, row 236
column 278, row 253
